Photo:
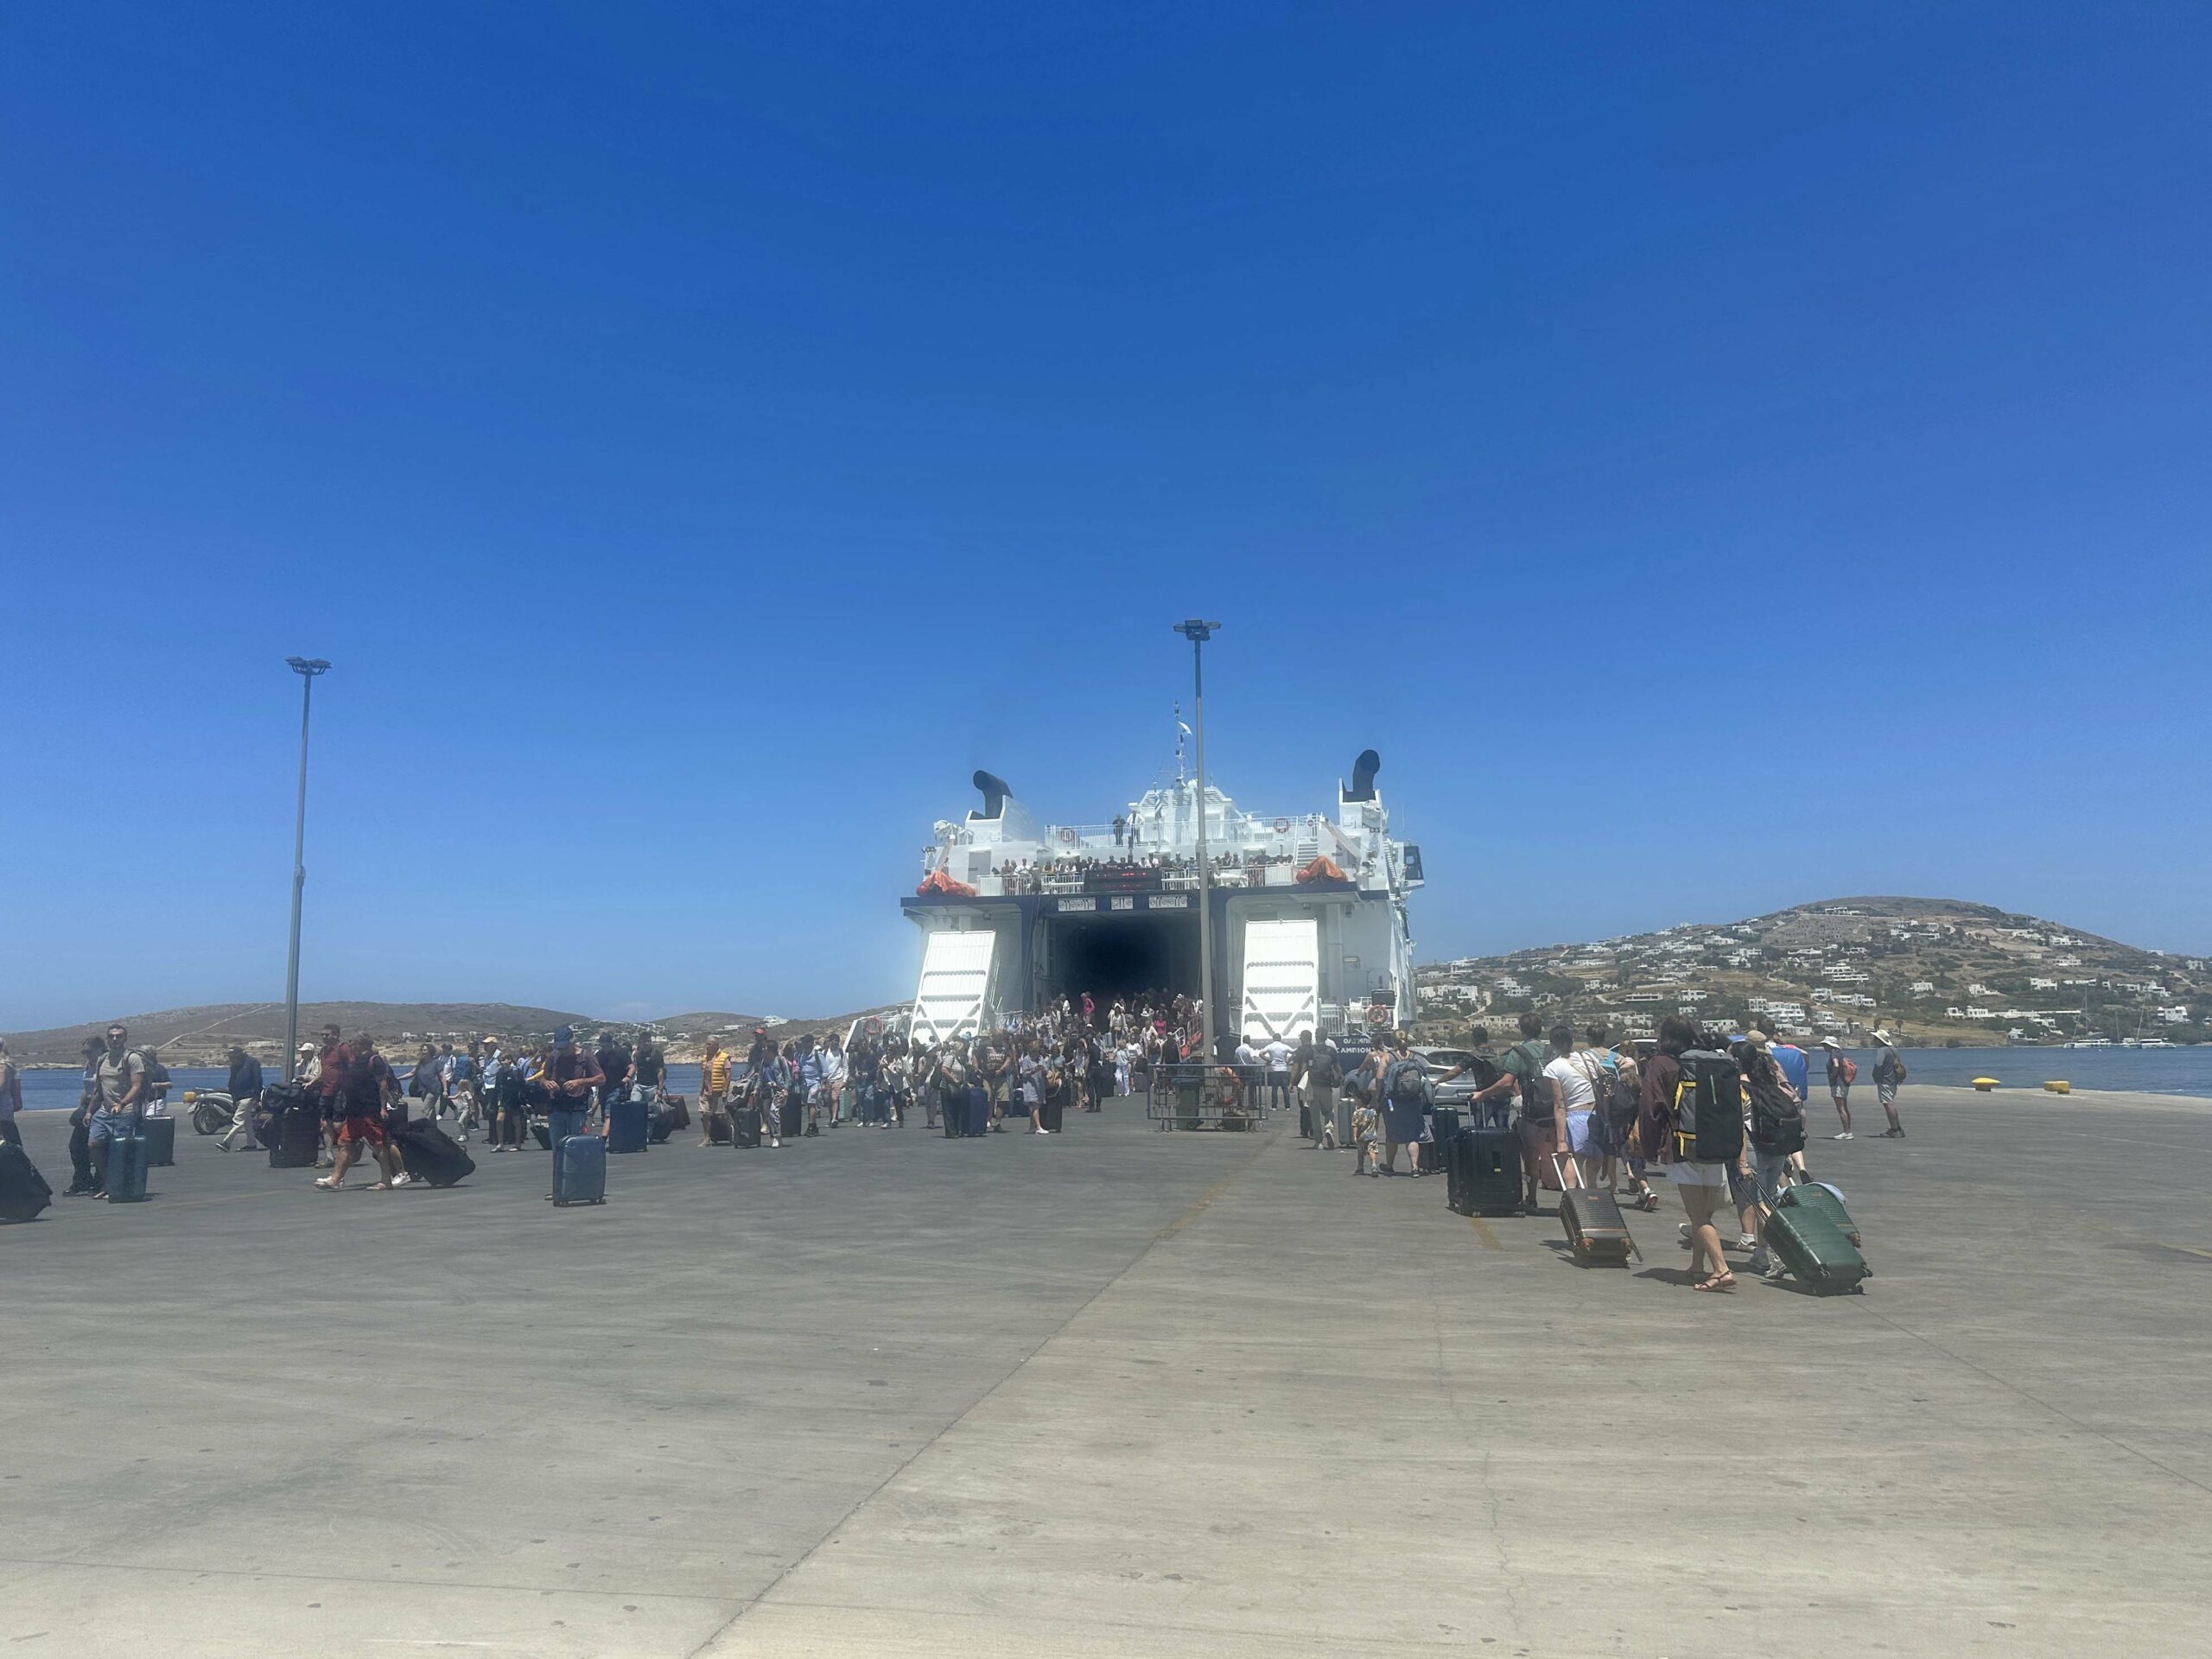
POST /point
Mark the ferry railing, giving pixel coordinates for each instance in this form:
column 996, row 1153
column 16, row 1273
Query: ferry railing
column 1190, row 1095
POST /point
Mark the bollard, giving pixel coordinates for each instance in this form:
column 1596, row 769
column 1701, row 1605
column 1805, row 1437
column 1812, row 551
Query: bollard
column 1985, row 1084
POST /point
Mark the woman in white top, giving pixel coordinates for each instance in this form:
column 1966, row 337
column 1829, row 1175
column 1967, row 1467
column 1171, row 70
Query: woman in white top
column 1572, row 1101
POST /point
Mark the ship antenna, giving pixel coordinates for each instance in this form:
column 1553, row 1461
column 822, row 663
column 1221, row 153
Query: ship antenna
column 1180, row 729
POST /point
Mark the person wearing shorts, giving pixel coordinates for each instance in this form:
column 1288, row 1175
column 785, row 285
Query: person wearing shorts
column 1574, row 1099
column 1838, row 1085
column 1704, row 1188
column 1889, row 1073
column 118, row 1100
column 363, row 1091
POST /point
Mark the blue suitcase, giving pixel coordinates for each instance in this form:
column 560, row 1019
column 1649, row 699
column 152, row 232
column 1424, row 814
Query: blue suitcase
column 126, row 1169
column 629, row 1124
column 979, row 1110
column 580, row 1170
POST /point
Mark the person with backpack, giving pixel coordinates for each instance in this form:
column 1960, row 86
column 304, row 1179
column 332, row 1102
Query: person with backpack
column 364, row 1090
column 1843, row 1071
column 1796, row 1070
column 1613, row 1081
column 1321, row 1078
column 119, row 1101
column 1777, row 1134
column 1703, row 1140
column 1520, row 1070
column 1406, row 1095
column 1889, row 1074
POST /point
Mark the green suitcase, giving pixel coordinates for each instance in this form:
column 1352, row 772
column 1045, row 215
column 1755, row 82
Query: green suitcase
column 1822, row 1200
column 1814, row 1251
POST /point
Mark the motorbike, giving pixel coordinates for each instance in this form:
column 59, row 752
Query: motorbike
column 212, row 1110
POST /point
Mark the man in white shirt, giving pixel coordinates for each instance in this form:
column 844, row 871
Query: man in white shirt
column 1572, row 1101
column 1277, row 1054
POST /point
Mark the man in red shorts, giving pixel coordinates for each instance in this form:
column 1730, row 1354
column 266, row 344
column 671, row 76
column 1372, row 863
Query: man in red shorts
column 365, row 1086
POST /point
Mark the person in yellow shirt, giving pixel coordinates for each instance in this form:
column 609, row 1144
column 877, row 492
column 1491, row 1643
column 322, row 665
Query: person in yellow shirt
column 713, row 1089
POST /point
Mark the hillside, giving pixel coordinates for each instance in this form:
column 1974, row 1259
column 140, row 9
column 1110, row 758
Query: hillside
column 201, row 1036
column 1937, row 969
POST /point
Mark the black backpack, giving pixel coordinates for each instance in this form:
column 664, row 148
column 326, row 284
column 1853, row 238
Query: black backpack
column 1536, row 1087
column 1777, row 1118
column 1407, row 1083
column 1709, row 1108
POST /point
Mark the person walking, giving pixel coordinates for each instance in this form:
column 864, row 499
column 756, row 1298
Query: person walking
column 1841, row 1071
column 1777, row 1134
column 1703, row 1185
column 120, row 1081
column 362, row 1095
column 1574, row 1100
column 1889, row 1077
column 245, row 1086
column 1405, row 1095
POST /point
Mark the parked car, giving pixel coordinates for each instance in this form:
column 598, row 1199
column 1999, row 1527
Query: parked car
column 1457, row 1092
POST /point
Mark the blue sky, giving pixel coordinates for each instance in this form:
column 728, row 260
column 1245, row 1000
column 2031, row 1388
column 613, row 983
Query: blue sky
column 1722, row 456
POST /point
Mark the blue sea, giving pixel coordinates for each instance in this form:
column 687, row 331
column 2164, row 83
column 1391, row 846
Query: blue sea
column 2141, row 1071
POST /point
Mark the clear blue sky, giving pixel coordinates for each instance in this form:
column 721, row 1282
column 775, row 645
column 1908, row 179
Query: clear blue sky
column 1722, row 456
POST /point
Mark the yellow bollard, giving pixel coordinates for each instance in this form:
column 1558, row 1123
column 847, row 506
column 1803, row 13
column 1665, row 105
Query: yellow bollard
column 2059, row 1086
column 1985, row 1084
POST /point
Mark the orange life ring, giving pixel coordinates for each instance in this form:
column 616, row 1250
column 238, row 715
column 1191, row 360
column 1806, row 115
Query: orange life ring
column 1282, row 826
column 1068, row 836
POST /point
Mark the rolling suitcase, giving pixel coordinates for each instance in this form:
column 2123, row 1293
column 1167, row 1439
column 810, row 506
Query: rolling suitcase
column 979, row 1111
column 24, row 1191
column 1822, row 1200
column 668, row 1118
column 747, row 1118
column 1441, row 1129
column 580, row 1170
column 544, row 1135
column 1815, row 1250
column 126, row 1169
column 161, row 1142
column 1489, row 1172
column 1049, row 1117
column 298, row 1140
column 628, row 1124
column 430, row 1156
column 1595, row 1235
column 952, row 1110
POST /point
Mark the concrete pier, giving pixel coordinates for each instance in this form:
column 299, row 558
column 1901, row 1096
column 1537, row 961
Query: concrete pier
column 1112, row 1392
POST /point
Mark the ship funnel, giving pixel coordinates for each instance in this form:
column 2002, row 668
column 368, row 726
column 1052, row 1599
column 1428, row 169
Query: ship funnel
column 995, row 792
column 1362, row 776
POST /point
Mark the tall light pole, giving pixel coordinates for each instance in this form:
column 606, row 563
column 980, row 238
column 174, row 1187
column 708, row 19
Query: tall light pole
column 1197, row 634
column 307, row 668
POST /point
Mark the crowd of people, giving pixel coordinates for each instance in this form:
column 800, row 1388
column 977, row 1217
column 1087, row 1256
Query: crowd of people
column 1590, row 1112
column 1584, row 1110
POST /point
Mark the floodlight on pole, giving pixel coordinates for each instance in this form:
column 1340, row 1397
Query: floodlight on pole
column 1197, row 634
column 308, row 668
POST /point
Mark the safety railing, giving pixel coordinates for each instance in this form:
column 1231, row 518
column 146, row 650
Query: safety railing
column 1189, row 1095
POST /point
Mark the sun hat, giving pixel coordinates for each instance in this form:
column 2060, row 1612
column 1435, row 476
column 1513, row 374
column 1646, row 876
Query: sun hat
column 1830, row 1042
column 1881, row 1036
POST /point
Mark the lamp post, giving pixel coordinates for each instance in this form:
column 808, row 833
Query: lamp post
column 1197, row 634
column 308, row 668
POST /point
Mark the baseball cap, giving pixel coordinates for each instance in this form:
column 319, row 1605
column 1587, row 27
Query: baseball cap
column 562, row 1035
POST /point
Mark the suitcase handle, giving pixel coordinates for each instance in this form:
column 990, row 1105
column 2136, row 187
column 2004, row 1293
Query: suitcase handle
column 1559, row 1173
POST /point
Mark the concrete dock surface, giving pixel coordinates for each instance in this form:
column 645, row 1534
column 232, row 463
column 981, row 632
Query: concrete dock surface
column 1113, row 1392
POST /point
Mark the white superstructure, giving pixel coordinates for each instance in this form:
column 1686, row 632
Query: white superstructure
column 1310, row 930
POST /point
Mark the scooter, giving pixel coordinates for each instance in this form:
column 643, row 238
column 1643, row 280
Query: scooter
column 212, row 1110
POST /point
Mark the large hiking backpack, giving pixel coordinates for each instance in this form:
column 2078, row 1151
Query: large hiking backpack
column 1777, row 1118
column 1709, row 1108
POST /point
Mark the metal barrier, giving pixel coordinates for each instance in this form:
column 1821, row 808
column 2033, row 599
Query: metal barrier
column 1190, row 1095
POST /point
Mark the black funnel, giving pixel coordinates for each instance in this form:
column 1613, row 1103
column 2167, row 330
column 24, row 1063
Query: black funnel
column 1362, row 776
column 995, row 793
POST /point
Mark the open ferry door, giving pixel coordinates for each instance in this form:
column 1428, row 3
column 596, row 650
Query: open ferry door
column 956, row 984
column 1282, row 980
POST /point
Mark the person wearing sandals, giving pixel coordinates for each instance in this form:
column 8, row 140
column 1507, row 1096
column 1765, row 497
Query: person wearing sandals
column 1703, row 1186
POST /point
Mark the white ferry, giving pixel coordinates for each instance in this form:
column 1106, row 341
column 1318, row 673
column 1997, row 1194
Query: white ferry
column 1308, row 923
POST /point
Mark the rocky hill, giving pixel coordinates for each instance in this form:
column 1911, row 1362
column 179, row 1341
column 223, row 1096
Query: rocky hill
column 201, row 1036
column 1938, row 970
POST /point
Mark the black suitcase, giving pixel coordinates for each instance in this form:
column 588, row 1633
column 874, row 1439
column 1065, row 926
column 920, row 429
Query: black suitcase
column 299, row 1137
column 545, row 1135
column 1595, row 1235
column 669, row 1116
column 748, row 1120
column 161, row 1142
column 629, row 1124
column 1429, row 1155
column 1049, row 1115
column 24, row 1191
column 430, row 1156
column 1485, row 1177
